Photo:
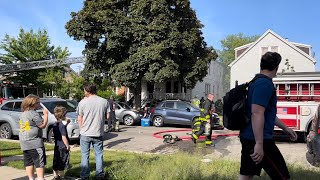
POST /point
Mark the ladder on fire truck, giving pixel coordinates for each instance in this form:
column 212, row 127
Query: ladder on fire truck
column 39, row 64
column 305, row 87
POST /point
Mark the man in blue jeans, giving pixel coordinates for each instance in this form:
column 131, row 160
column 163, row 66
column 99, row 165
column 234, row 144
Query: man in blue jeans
column 258, row 147
column 92, row 112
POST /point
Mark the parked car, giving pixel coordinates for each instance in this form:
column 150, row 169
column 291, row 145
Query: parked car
column 174, row 112
column 126, row 114
column 73, row 103
column 10, row 112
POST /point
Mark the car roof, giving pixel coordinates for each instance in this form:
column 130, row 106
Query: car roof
column 41, row 100
column 173, row 101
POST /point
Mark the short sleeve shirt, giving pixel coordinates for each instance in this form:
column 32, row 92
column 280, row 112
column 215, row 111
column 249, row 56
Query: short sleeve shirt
column 93, row 110
column 261, row 92
column 30, row 135
column 59, row 130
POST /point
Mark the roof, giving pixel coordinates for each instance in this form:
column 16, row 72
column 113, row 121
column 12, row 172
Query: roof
column 269, row 31
column 41, row 100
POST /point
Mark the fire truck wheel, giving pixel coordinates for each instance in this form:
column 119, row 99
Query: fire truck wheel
column 5, row 131
column 306, row 133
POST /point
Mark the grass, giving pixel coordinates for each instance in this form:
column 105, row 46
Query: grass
column 13, row 148
column 132, row 166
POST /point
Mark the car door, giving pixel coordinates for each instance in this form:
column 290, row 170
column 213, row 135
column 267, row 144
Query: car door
column 184, row 113
column 169, row 112
column 16, row 114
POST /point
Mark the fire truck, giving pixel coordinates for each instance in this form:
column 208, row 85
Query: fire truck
column 298, row 98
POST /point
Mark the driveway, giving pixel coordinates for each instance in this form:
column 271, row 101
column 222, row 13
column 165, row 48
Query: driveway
column 140, row 139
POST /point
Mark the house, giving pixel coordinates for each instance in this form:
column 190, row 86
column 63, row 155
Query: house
column 247, row 57
column 172, row 89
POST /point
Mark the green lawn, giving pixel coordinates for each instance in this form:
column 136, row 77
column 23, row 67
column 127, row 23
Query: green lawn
column 133, row 166
column 13, row 148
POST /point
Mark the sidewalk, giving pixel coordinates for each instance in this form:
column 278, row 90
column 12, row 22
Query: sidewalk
column 17, row 174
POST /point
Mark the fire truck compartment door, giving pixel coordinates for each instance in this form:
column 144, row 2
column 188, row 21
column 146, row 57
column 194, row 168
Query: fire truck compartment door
column 305, row 111
column 288, row 115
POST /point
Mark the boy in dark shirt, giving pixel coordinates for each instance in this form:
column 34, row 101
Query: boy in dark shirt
column 62, row 148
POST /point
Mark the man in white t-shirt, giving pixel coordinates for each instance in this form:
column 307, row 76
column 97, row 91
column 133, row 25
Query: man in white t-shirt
column 92, row 112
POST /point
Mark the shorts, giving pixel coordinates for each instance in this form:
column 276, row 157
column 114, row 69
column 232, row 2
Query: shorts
column 273, row 162
column 61, row 159
column 35, row 157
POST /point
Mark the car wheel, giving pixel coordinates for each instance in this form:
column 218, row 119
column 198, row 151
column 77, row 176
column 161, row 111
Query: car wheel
column 128, row 120
column 192, row 122
column 5, row 131
column 158, row 121
column 50, row 137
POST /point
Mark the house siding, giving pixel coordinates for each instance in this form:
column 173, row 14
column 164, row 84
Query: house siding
column 249, row 64
column 214, row 79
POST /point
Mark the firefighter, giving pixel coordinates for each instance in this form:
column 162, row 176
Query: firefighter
column 202, row 124
column 195, row 101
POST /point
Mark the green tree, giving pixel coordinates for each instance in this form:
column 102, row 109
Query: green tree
column 27, row 47
column 227, row 54
column 135, row 39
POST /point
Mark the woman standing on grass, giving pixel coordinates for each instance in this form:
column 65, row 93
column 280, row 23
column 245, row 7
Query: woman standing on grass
column 30, row 136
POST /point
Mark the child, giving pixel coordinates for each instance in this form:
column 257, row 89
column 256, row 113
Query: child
column 61, row 148
column 30, row 136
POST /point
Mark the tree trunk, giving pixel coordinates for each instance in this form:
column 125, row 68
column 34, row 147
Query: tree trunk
column 137, row 96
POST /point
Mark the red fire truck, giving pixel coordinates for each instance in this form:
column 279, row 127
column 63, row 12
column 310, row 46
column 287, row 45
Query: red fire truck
column 298, row 98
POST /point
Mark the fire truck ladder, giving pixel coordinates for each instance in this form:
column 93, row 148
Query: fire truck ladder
column 39, row 64
column 298, row 89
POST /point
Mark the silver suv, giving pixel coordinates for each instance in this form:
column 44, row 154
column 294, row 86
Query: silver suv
column 10, row 112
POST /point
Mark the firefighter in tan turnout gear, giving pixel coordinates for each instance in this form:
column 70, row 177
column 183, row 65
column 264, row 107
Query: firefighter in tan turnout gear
column 202, row 124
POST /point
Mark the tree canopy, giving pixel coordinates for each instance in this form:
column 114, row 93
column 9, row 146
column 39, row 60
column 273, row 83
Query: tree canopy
column 27, row 47
column 227, row 54
column 135, row 39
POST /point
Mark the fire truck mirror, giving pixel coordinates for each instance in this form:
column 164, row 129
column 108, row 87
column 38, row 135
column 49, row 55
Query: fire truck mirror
column 305, row 111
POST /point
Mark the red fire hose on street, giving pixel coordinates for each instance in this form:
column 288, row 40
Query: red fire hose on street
column 187, row 138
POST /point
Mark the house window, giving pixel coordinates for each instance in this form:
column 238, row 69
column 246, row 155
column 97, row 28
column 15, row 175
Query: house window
column 269, row 49
column 150, row 87
column 168, row 87
column 207, row 89
column 176, row 87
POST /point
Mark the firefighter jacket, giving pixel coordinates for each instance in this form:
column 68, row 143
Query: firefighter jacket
column 205, row 111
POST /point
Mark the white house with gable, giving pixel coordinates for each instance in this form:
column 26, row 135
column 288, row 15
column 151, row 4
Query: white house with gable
column 247, row 57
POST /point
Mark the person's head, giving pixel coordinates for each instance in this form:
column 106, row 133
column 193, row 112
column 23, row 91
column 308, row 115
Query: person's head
column 31, row 102
column 90, row 89
column 60, row 112
column 270, row 62
column 210, row 97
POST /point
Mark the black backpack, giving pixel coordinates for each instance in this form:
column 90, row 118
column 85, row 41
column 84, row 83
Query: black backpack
column 234, row 107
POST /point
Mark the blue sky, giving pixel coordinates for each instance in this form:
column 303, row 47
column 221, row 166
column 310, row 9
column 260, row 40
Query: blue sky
column 293, row 19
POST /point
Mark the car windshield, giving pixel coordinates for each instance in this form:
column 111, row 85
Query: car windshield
column 125, row 106
column 50, row 105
